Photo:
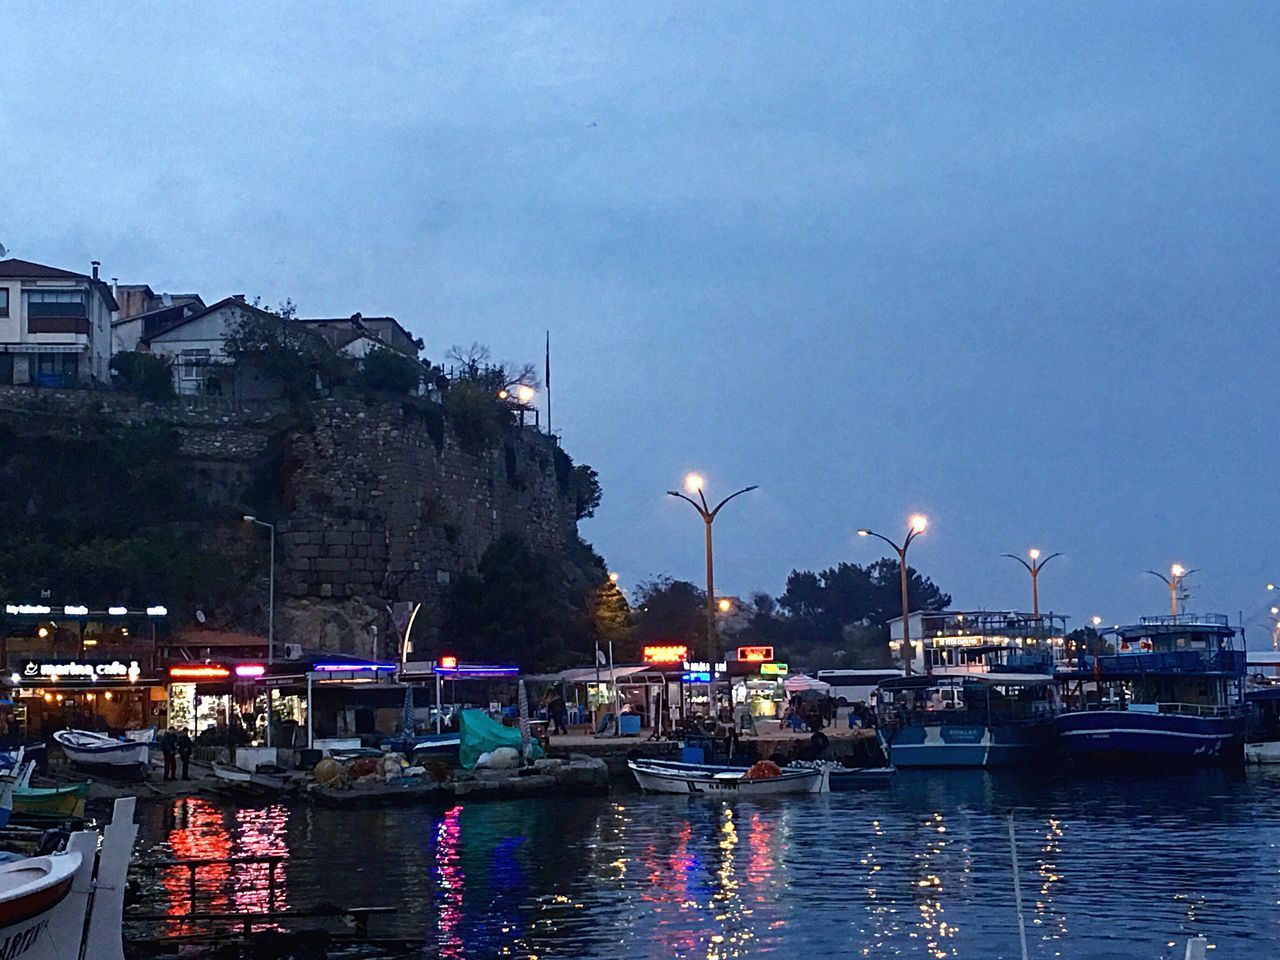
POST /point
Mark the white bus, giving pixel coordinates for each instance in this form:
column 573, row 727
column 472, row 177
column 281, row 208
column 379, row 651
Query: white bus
column 850, row 686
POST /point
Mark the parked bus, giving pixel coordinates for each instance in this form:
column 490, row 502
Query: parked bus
column 850, row 686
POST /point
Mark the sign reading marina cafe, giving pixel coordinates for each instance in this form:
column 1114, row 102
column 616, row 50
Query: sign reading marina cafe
column 79, row 671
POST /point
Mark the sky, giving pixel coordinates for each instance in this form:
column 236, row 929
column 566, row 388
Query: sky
column 1010, row 265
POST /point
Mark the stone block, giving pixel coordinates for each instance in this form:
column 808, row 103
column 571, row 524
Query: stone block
column 330, row 564
column 337, row 538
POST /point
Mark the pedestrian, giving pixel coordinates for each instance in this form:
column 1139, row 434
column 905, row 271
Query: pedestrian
column 185, row 746
column 558, row 714
column 169, row 747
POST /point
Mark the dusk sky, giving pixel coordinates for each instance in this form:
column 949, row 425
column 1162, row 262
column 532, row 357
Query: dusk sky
column 1012, row 265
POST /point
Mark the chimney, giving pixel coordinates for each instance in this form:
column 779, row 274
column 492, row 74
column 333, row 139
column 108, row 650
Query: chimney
column 115, row 283
column 95, row 264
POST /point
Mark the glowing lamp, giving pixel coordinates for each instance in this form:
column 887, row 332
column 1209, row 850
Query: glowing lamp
column 725, row 606
column 524, row 393
column 919, row 522
column 117, row 611
column 157, row 611
column 1033, row 553
column 204, row 671
column 250, row 671
column 1177, row 570
column 693, row 482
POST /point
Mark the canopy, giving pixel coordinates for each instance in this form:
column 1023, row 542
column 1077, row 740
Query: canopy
column 1009, row 679
column 481, row 733
column 798, row 683
column 589, row 674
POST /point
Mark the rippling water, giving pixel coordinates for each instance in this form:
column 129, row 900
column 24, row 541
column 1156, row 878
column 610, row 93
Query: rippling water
column 1109, row 868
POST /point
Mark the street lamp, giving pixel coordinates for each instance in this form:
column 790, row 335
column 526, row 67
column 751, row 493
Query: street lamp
column 271, row 590
column 1177, row 573
column 693, row 484
column 1097, row 622
column 1034, row 568
column 915, row 526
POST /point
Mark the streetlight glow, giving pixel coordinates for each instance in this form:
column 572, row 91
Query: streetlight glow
column 725, row 605
column 1177, row 570
column 864, row 533
column 1033, row 553
column 693, row 482
column 613, row 578
column 919, row 522
column 525, row 393
column 1097, row 621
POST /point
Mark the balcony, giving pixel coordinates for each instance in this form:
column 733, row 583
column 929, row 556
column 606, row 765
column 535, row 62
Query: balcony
column 75, row 325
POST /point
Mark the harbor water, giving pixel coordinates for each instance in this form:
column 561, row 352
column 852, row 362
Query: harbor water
column 1111, row 867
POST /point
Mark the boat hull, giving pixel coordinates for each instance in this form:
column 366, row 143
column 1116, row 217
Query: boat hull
column 64, row 801
column 1267, row 751
column 31, row 918
column 688, row 778
column 966, row 745
column 1133, row 737
column 119, row 758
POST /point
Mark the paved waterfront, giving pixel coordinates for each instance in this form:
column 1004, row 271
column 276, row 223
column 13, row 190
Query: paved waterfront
column 1111, row 868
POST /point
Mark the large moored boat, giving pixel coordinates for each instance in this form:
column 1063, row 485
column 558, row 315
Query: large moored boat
column 1172, row 692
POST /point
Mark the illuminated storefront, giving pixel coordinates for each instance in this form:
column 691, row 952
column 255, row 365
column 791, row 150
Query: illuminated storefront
column 105, row 695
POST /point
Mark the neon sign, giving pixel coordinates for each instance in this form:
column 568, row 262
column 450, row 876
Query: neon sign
column 250, row 671
column 203, row 671
column 755, row 654
column 665, row 653
column 448, row 663
column 117, row 671
column 773, row 669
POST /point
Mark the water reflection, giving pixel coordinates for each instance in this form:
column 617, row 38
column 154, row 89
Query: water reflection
column 1111, row 868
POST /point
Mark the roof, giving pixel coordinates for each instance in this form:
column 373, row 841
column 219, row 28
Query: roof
column 15, row 269
column 26, row 270
column 212, row 308
column 589, row 674
column 357, row 319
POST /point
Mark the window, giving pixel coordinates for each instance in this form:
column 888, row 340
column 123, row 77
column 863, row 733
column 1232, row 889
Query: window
column 56, row 303
column 4, row 301
column 193, row 366
column 57, row 369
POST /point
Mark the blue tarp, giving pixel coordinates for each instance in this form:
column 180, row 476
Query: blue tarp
column 481, row 733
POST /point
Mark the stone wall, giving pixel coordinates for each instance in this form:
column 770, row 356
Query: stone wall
column 375, row 503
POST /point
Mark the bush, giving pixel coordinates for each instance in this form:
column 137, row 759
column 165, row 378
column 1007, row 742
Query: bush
column 386, row 371
column 145, row 374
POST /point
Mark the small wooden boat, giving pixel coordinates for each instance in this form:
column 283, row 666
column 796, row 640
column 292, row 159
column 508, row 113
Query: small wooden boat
column 96, row 751
column 254, row 782
column 668, row 776
column 69, row 904
column 63, row 801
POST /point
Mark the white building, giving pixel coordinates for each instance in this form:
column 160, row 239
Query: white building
column 956, row 641
column 55, row 326
column 196, row 346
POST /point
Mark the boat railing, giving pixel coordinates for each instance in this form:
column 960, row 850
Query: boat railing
column 1197, row 709
column 1187, row 619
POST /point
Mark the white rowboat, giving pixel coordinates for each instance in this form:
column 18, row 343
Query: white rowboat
column 86, row 749
column 667, row 776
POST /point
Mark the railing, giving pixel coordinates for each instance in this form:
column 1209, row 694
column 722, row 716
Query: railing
column 1188, row 619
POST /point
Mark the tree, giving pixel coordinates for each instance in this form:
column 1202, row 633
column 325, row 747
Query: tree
column 147, row 375
column 518, row 608
column 388, row 371
column 280, row 350
column 671, row 611
column 611, row 621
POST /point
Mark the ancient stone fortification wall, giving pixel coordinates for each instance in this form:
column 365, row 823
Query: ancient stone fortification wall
column 384, row 504
column 376, row 502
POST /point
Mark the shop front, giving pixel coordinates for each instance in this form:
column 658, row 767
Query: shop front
column 216, row 702
column 108, row 696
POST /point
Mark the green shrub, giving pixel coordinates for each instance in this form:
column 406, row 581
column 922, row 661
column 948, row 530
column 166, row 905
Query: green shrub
column 145, row 374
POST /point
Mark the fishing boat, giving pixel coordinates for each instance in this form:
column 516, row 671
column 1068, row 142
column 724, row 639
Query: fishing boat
column 251, row 781
column 69, row 904
column 1171, row 693
column 668, row 776
column 63, row 801
column 859, row 778
column 30, row 751
column 96, row 751
column 981, row 719
column 1262, row 742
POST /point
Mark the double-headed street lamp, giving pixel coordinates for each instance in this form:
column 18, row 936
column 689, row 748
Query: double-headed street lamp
column 915, row 526
column 1177, row 573
column 693, row 484
column 1034, row 568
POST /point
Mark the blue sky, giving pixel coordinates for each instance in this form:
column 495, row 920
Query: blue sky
column 1013, row 265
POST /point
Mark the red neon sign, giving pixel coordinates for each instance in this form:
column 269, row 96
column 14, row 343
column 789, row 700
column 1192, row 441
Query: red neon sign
column 204, row 672
column 665, row 653
column 448, row 663
column 755, row 654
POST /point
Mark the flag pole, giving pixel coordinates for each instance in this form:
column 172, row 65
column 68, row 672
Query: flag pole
column 547, row 380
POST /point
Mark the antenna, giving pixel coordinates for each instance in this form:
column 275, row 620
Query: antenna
column 4, row 251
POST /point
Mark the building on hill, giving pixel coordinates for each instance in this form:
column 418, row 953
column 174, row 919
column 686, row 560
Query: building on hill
column 144, row 313
column 55, row 325
column 196, row 344
column 357, row 335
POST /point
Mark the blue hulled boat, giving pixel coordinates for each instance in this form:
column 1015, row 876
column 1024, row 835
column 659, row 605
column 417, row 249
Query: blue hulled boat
column 988, row 719
column 1172, row 693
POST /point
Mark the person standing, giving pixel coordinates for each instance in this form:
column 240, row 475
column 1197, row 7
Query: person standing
column 185, row 746
column 169, row 747
column 558, row 714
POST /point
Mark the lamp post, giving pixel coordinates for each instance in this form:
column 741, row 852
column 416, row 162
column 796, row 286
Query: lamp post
column 915, row 526
column 1034, row 568
column 271, row 611
column 693, row 484
column 1177, row 573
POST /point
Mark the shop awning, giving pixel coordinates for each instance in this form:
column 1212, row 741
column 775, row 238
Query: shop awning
column 592, row 674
